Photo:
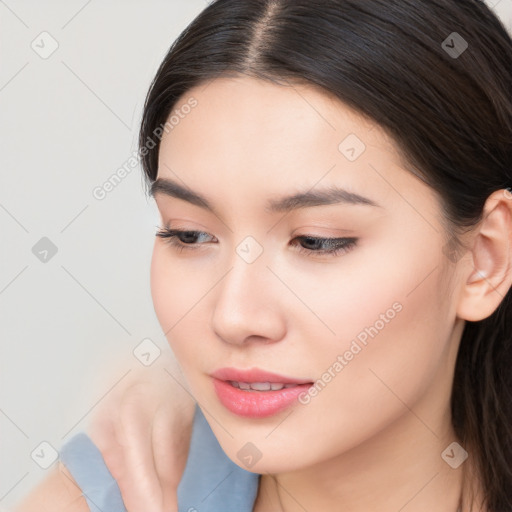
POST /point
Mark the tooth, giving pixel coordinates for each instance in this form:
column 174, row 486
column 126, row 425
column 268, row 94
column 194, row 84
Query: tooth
column 261, row 386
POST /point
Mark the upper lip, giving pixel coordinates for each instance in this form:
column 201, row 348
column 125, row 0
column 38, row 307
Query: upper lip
column 254, row 375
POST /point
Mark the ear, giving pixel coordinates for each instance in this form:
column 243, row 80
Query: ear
column 488, row 274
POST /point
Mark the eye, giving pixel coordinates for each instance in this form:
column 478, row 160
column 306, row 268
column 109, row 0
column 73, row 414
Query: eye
column 181, row 239
column 309, row 245
column 330, row 246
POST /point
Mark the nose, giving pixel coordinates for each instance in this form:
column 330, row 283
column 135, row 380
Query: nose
column 248, row 307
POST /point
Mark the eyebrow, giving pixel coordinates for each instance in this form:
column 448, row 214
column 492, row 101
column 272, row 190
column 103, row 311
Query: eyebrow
column 318, row 197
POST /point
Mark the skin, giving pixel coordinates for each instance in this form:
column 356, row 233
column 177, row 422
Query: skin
column 142, row 429
column 372, row 438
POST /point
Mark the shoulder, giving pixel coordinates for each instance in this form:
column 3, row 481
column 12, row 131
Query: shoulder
column 58, row 492
column 80, row 483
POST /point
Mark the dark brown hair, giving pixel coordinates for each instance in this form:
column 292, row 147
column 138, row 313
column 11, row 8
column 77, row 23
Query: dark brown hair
column 448, row 107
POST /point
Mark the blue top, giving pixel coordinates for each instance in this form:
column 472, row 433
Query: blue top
column 211, row 481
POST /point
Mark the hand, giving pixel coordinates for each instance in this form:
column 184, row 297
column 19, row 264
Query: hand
column 143, row 429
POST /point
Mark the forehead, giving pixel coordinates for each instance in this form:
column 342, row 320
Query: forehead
column 249, row 137
column 270, row 124
column 253, row 106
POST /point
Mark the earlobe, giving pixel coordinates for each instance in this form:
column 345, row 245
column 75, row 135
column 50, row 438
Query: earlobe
column 489, row 271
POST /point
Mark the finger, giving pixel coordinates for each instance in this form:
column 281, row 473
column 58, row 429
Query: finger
column 171, row 440
column 141, row 487
column 172, row 429
column 168, row 467
column 118, row 432
column 172, row 424
column 102, row 432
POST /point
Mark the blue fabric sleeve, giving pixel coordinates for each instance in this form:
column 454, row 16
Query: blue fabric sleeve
column 211, row 482
column 86, row 465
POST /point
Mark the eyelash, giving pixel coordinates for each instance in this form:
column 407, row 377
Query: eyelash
column 338, row 245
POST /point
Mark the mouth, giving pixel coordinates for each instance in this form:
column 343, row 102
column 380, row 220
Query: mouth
column 256, row 393
column 260, row 386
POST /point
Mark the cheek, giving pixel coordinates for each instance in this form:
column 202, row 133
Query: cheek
column 164, row 287
column 181, row 298
column 390, row 320
column 175, row 287
column 174, row 292
column 393, row 338
column 362, row 289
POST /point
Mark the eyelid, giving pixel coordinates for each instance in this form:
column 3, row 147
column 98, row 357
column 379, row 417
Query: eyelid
column 337, row 244
column 169, row 232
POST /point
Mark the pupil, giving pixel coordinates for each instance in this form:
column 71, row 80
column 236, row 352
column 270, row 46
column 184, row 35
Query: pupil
column 311, row 242
column 188, row 236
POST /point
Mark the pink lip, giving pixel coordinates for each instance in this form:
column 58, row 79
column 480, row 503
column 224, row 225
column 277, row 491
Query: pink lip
column 254, row 375
column 256, row 404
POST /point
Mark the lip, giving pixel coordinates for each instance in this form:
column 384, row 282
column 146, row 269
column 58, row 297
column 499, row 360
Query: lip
column 256, row 404
column 254, row 375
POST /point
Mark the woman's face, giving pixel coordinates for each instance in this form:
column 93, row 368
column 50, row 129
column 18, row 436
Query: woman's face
column 373, row 325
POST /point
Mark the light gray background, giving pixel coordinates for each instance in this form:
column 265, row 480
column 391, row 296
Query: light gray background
column 68, row 122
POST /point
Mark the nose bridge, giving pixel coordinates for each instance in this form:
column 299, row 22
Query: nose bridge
column 246, row 305
column 244, row 287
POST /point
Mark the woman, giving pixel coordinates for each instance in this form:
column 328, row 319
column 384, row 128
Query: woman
column 333, row 268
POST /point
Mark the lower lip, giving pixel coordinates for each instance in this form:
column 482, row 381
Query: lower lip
column 257, row 404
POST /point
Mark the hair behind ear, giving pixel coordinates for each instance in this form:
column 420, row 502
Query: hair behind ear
column 481, row 400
